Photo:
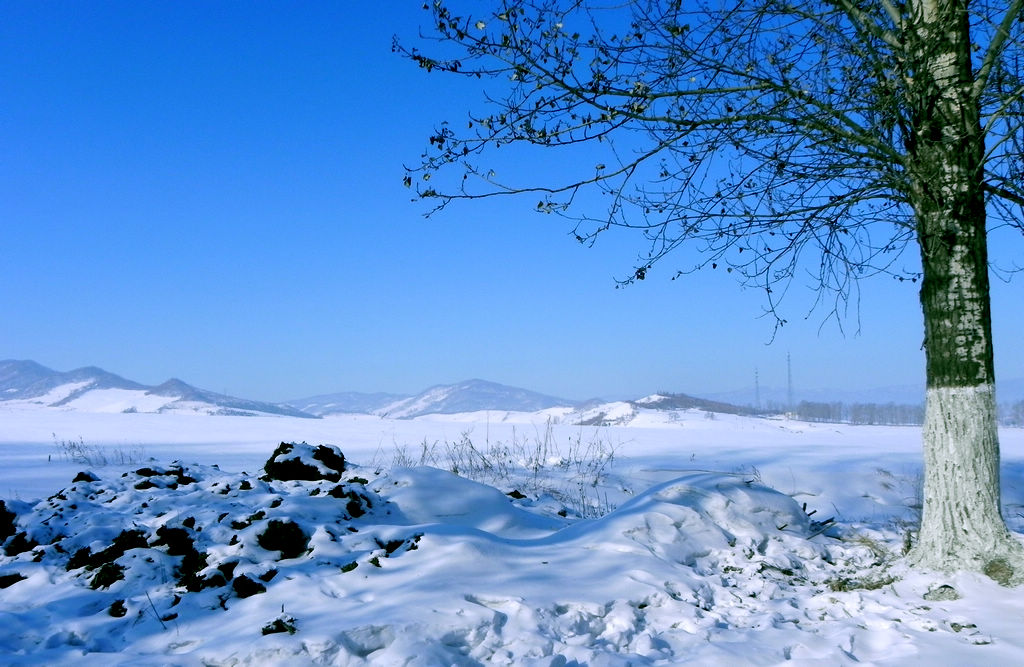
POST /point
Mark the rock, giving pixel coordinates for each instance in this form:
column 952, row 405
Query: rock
column 942, row 593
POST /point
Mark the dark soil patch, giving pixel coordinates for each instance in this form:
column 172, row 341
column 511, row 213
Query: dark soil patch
column 330, row 457
column 7, row 527
column 20, row 543
column 246, row 587
column 8, row 580
column 286, row 463
column 228, row 569
column 239, row 525
column 179, row 542
column 180, row 478
column 357, row 504
column 284, row 536
column 280, row 625
column 125, row 540
column 391, row 546
column 107, row 575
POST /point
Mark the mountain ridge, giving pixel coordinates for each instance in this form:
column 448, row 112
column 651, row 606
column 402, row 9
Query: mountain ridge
column 91, row 388
column 467, row 396
column 472, row 396
column 96, row 390
column 345, row 402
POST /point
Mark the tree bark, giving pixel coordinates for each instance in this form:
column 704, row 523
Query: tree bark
column 961, row 525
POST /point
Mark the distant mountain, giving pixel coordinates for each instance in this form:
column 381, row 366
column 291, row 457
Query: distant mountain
column 480, row 395
column 92, row 389
column 349, row 402
column 228, row 404
column 27, row 379
column 471, row 396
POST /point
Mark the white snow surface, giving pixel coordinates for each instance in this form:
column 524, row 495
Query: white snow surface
column 119, row 400
column 701, row 540
column 55, row 395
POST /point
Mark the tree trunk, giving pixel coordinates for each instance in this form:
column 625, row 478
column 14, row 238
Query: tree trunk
column 961, row 524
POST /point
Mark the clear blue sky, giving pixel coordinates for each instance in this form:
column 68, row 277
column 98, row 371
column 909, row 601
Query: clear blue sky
column 212, row 190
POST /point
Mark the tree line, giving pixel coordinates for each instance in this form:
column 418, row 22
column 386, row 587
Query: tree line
column 887, row 414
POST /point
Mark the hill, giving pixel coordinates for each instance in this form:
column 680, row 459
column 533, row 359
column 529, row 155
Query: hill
column 471, row 396
column 92, row 389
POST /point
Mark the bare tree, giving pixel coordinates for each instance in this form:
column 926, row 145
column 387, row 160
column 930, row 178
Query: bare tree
column 777, row 137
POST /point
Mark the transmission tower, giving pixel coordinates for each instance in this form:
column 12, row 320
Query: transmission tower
column 789, row 383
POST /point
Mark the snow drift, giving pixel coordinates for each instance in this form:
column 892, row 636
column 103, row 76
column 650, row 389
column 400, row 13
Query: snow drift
column 317, row 560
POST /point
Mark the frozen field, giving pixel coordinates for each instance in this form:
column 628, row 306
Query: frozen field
column 681, row 537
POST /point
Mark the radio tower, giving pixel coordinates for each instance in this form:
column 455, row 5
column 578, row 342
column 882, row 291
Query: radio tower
column 789, row 383
column 757, row 390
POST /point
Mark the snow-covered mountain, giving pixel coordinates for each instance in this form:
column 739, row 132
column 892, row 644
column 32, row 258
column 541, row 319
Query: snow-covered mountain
column 468, row 396
column 347, row 402
column 29, row 380
column 92, row 389
column 471, row 396
column 653, row 410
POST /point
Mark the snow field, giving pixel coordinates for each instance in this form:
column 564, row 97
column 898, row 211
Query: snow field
column 701, row 560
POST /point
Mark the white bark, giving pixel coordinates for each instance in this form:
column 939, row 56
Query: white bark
column 962, row 525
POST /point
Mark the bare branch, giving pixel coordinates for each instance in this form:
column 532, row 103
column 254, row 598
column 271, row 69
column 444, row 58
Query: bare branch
column 1012, row 14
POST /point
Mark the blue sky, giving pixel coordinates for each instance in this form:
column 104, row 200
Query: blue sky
column 213, row 191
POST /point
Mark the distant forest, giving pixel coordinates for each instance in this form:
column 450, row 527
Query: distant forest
column 888, row 414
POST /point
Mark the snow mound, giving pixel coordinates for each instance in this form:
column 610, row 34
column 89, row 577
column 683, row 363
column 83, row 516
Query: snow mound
column 291, row 461
column 321, row 561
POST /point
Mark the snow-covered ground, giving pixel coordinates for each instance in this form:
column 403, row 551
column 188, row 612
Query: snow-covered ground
column 681, row 537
